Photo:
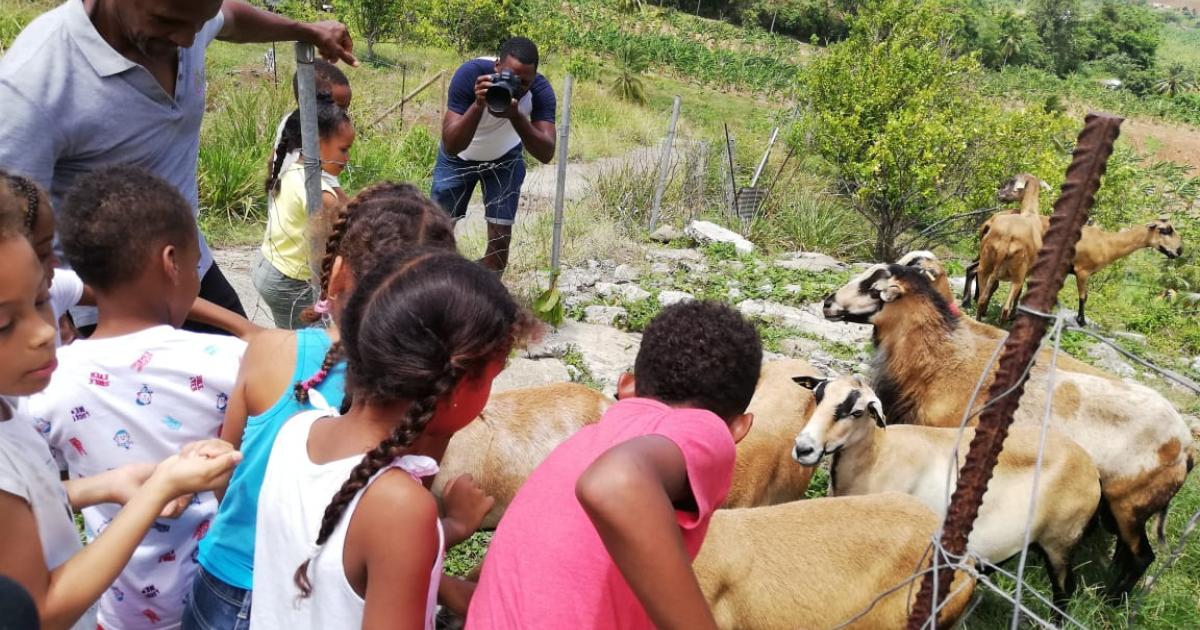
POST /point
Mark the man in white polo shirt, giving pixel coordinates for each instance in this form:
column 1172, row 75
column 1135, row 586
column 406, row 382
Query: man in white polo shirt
column 99, row 82
column 480, row 146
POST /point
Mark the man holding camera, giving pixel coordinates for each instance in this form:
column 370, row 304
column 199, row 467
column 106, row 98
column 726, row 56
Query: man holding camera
column 495, row 110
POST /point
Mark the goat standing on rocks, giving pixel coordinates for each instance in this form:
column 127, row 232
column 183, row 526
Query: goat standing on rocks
column 870, row 457
column 926, row 368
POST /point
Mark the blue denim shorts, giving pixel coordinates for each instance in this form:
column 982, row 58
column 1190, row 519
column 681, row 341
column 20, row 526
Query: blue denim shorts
column 215, row 605
column 454, row 181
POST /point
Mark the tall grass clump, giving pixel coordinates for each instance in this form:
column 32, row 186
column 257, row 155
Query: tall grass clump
column 395, row 155
column 235, row 146
column 797, row 220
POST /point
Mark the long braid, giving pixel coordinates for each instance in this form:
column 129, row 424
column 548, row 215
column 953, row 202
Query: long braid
column 288, row 141
column 394, row 217
column 332, row 356
column 416, row 418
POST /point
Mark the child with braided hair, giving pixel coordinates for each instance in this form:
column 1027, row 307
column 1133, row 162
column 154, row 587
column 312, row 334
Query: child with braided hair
column 282, row 369
column 424, row 337
column 282, row 271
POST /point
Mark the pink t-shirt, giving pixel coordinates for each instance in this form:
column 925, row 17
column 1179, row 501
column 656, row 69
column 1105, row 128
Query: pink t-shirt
column 546, row 566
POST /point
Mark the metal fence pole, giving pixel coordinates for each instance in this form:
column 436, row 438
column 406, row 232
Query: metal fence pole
column 664, row 164
column 309, row 143
column 560, row 191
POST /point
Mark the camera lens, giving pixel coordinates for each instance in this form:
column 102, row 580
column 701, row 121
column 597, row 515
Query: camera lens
column 498, row 98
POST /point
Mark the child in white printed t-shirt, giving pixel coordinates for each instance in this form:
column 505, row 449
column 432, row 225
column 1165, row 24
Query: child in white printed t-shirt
column 139, row 388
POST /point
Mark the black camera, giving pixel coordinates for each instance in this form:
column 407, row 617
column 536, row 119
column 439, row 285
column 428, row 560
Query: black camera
column 505, row 87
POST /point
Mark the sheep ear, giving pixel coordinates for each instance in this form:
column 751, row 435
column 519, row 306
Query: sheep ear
column 808, row 382
column 892, row 292
column 876, row 409
column 1046, row 187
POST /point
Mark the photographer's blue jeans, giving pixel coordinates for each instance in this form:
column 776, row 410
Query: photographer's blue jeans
column 454, row 181
column 215, row 605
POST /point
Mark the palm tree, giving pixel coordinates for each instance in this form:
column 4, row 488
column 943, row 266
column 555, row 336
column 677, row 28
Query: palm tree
column 628, row 82
column 1009, row 41
column 1177, row 81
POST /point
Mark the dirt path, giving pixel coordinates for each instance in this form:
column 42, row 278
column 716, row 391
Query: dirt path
column 1164, row 141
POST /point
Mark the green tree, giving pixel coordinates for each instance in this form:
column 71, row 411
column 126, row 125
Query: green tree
column 468, row 25
column 1123, row 29
column 1058, row 24
column 893, row 113
column 373, row 20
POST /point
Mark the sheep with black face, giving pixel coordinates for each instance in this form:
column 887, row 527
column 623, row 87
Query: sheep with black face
column 870, row 457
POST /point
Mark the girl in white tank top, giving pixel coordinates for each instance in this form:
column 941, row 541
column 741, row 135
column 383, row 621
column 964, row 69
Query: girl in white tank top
column 343, row 542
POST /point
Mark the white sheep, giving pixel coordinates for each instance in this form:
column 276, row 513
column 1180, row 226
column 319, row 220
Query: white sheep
column 870, row 457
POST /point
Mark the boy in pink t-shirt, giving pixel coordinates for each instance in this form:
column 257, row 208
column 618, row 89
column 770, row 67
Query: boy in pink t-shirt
column 603, row 533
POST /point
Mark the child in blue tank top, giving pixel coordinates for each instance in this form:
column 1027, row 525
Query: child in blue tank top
column 286, row 372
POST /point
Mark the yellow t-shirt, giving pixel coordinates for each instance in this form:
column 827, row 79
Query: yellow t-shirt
column 286, row 242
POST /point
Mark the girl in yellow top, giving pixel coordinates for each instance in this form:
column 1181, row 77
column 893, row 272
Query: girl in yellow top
column 282, row 273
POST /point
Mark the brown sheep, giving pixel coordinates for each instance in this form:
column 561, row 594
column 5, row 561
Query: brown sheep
column 929, row 263
column 817, row 564
column 870, row 457
column 926, row 367
column 518, row 429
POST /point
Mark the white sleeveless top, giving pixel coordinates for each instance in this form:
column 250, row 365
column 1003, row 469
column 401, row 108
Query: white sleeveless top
column 295, row 492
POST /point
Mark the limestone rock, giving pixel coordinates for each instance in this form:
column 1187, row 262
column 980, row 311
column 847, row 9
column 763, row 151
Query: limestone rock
column 666, row 234
column 705, row 232
column 807, row 320
column 800, row 347
column 576, row 279
column 1109, row 359
column 813, row 262
column 660, row 269
column 632, row 293
column 604, row 315
column 605, row 289
column 607, row 352
column 666, row 254
column 625, row 273
column 1139, row 338
column 522, row 372
column 667, row 298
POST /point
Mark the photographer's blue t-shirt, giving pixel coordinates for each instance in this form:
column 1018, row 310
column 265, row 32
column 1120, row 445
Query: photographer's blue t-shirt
column 495, row 136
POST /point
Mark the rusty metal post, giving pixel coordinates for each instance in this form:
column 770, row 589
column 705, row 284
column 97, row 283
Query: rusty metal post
column 1093, row 148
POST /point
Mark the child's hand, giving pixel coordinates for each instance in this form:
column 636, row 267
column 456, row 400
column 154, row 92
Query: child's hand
column 203, row 467
column 466, row 504
column 127, row 480
column 207, row 449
